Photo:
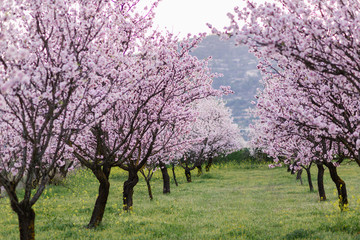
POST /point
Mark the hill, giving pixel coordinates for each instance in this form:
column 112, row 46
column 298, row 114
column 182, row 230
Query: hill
column 239, row 69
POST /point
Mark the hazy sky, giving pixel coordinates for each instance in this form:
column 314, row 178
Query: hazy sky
column 191, row 16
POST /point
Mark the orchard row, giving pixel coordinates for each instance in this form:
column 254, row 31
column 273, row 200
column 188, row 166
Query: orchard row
column 309, row 53
column 90, row 83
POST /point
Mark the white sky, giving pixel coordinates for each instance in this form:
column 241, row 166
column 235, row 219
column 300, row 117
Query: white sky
column 191, row 16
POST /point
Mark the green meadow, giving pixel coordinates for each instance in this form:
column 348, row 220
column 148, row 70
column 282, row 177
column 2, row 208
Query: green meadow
column 230, row 202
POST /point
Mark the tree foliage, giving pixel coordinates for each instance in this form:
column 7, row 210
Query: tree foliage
column 308, row 51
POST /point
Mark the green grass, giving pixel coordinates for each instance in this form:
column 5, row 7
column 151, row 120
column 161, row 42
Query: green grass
column 230, row 202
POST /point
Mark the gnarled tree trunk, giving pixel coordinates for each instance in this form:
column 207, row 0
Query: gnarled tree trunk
column 308, row 173
column 149, row 189
column 166, row 178
column 209, row 164
column 309, row 179
column 340, row 186
column 188, row 174
column 129, row 185
column 98, row 212
column 26, row 217
column 320, row 181
column 173, row 171
column 298, row 176
column 199, row 168
column 147, row 178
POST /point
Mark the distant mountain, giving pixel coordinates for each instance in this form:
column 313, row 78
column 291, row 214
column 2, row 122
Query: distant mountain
column 239, row 69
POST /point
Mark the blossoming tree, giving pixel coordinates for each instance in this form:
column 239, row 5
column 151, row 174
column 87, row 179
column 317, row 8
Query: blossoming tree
column 53, row 58
column 310, row 50
column 213, row 133
column 162, row 81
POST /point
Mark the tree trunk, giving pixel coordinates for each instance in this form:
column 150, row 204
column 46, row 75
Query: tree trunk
column 209, row 164
column 98, row 212
column 340, row 186
column 129, row 185
column 166, row 178
column 320, row 181
column 149, row 189
column 298, row 176
column 188, row 174
column 199, row 168
column 147, row 180
column 309, row 179
column 173, row 171
column 26, row 217
column 65, row 169
column 27, row 225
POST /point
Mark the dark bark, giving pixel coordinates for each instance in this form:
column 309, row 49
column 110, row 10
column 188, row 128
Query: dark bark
column 166, row 178
column 309, row 179
column 188, row 174
column 199, row 168
column 340, row 186
column 298, row 176
column 27, row 225
column 26, row 217
column 320, row 181
column 147, row 178
column 98, row 212
column 209, row 164
column 174, row 175
column 129, row 185
column 149, row 189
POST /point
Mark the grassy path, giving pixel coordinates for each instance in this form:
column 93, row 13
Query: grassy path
column 231, row 202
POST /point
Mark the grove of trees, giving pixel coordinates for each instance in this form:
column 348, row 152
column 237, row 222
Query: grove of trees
column 212, row 134
column 88, row 82
column 309, row 56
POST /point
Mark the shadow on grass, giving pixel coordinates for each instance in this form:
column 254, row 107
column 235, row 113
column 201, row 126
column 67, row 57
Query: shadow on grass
column 298, row 233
